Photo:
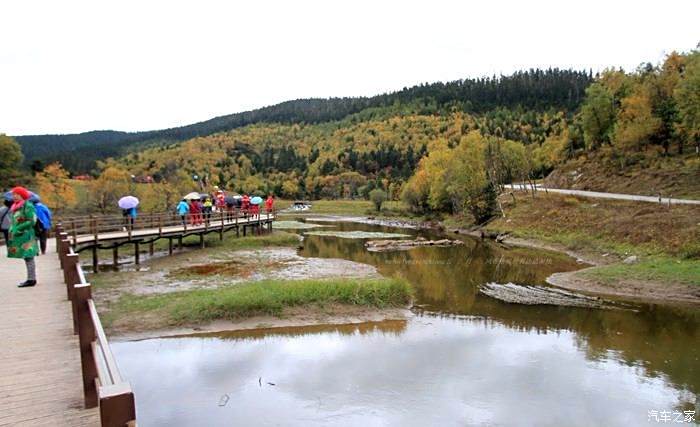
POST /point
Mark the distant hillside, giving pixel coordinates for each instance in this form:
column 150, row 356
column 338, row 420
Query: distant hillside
column 537, row 90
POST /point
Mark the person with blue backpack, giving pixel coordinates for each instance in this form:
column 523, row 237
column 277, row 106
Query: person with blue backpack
column 43, row 223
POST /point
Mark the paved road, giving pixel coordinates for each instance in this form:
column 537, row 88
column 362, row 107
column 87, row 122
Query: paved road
column 615, row 196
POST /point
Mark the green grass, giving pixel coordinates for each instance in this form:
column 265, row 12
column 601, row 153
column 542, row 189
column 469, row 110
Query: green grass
column 657, row 269
column 269, row 297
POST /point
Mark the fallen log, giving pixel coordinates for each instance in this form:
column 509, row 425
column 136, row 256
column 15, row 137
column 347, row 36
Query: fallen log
column 389, row 245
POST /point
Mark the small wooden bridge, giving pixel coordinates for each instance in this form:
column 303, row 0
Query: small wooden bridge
column 112, row 232
column 52, row 337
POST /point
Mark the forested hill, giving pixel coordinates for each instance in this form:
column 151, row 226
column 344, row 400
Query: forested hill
column 531, row 90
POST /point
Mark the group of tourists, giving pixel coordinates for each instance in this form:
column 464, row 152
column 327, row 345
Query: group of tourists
column 26, row 222
column 199, row 209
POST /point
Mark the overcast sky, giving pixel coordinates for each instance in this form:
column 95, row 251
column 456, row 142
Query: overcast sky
column 73, row 66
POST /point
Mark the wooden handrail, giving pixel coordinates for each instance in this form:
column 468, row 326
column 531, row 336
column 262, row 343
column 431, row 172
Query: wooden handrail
column 113, row 375
column 103, row 384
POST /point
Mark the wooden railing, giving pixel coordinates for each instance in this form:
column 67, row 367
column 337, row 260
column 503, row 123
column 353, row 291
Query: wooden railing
column 103, row 384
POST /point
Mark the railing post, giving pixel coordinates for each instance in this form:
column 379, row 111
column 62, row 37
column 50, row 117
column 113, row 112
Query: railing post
column 117, row 406
column 86, row 335
column 73, row 279
column 68, row 262
column 63, row 249
column 223, row 224
column 160, row 224
column 58, row 231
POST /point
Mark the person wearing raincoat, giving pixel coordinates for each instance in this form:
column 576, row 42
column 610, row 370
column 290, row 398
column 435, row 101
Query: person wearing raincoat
column 195, row 212
column 183, row 209
column 207, row 209
column 23, row 244
column 269, row 203
column 43, row 223
column 245, row 205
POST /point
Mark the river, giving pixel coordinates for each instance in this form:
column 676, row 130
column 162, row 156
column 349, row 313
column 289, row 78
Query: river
column 464, row 358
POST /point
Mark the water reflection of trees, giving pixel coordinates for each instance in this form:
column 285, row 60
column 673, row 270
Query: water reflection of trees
column 385, row 327
column 663, row 340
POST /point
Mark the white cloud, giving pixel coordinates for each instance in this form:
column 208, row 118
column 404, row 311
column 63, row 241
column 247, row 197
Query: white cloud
column 130, row 65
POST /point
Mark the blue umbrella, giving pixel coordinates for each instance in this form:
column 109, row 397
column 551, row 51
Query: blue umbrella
column 34, row 198
column 8, row 196
column 257, row 200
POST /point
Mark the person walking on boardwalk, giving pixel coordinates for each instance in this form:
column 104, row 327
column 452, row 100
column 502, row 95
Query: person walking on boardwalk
column 183, row 209
column 6, row 217
column 23, row 242
column 195, row 212
column 269, row 203
column 254, row 209
column 207, row 209
column 245, row 205
column 43, row 223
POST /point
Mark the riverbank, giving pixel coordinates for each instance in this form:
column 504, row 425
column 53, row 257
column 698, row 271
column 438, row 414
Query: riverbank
column 639, row 251
column 261, row 304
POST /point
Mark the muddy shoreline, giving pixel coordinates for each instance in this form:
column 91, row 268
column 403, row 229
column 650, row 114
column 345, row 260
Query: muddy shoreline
column 295, row 317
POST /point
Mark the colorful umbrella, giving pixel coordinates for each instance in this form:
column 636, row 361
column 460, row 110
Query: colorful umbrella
column 34, row 198
column 257, row 200
column 192, row 196
column 128, row 202
column 8, row 196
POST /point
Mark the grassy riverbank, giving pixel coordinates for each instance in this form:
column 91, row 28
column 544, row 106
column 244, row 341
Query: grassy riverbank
column 664, row 240
column 245, row 300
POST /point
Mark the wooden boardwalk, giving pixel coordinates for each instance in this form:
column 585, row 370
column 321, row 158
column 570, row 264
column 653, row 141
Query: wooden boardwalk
column 176, row 230
column 40, row 374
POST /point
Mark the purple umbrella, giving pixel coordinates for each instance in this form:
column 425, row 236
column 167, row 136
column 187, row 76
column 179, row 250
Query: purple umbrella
column 128, row 202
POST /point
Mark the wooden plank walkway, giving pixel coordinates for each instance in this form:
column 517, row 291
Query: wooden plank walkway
column 40, row 374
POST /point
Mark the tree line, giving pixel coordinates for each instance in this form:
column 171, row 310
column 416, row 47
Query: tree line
column 531, row 90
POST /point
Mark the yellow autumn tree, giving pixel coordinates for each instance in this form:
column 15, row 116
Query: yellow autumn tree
column 636, row 122
column 105, row 192
column 55, row 188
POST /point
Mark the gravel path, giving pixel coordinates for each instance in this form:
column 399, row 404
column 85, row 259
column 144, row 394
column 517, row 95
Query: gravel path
column 615, row 196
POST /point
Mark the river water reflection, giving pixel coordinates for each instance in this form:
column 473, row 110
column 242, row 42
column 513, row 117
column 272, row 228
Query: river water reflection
column 464, row 359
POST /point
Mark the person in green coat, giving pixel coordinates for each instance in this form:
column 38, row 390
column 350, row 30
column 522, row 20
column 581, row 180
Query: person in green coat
column 23, row 243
